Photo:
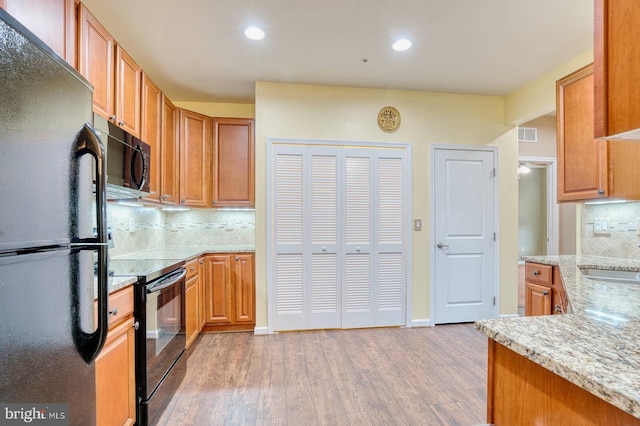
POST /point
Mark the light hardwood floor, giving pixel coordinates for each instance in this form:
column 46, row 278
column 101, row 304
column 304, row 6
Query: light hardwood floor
column 383, row 376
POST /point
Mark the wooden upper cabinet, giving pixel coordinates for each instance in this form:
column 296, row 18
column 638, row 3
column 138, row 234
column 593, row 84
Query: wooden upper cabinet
column 152, row 106
column 53, row 21
column 170, row 154
column 195, row 159
column 96, row 62
column 582, row 161
column 115, row 76
column 617, row 67
column 234, row 162
column 128, row 90
column 588, row 168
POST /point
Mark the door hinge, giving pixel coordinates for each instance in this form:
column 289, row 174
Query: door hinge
column 494, row 236
column 493, row 172
column 494, row 301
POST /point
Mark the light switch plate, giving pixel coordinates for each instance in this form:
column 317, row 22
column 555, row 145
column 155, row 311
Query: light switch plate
column 602, row 225
column 417, row 224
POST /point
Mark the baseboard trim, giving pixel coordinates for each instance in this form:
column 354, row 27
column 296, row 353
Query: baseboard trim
column 509, row 316
column 261, row 331
column 421, row 323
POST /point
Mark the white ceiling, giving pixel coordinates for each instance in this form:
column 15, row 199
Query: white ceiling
column 195, row 50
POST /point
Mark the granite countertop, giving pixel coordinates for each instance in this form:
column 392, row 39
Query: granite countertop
column 172, row 254
column 597, row 345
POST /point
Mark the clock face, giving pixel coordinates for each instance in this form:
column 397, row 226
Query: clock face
column 388, row 118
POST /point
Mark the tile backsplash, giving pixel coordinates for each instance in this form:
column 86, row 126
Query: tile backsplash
column 611, row 230
column 140, row 228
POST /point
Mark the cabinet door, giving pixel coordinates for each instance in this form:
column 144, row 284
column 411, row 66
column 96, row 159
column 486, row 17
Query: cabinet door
column 537, row 299
column 245, row 305
column 234, row 163
column 202, row 318
column 152, row 132
column 115, row 378
column 53, row 21
column 170, row 153
column 95, row 61
column 191, row 307
column 128, row 87
column 582, row 161
column 617, row 66
column 218, row 290
column 195, row 159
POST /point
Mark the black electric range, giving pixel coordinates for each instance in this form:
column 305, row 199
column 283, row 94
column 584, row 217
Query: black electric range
column 160, row 339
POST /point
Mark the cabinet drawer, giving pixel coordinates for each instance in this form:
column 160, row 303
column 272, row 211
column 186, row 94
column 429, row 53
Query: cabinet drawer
column 120, row 306
column 539, row 273
column 192, row 268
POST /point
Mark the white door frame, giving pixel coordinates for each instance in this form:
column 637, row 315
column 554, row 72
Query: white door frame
column 553, row 227
column 271, row 313
column 432, row 220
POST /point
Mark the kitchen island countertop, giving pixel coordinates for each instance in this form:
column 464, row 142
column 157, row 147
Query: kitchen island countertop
column 597, row 345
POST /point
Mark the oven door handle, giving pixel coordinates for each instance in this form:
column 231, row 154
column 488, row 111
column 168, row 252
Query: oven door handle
column 170, row 280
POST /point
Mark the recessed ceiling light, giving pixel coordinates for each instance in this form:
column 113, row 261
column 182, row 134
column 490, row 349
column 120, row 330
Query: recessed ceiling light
column 402, row 44
column 254, row 33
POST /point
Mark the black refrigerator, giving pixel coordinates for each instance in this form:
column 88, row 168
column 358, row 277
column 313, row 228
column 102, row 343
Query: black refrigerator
column 52, row 235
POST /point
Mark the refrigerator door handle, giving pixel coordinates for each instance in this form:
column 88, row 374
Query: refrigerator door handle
column 88, row 142
column 90, row 344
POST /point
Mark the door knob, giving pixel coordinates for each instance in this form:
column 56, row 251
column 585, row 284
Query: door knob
column 442, row 246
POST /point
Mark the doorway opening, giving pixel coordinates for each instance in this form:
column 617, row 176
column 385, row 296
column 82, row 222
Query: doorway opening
column 537, row 213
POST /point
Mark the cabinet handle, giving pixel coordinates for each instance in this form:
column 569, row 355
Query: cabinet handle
column 121, row 123
column 112, row 117
column 546, row 293
column 536, row 273
column 201, row 261
column 113, row 311
column 136, row 325
column 558, row 309
column 237, row 258
column 182, row 201
column 600, row 191
column 193, row 268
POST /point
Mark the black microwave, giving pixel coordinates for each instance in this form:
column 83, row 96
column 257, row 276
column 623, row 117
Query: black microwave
column 128, row 161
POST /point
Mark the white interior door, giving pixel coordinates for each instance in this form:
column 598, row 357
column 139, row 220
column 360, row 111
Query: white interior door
column 464, row 189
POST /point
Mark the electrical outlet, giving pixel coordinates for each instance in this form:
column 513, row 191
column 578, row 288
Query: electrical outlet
column 132, row 224
column 174, row 227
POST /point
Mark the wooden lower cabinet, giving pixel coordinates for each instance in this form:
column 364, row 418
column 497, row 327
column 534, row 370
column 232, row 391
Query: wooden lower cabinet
column 544, row 290
column 229, row 292
column 115, row 366
column 521, row 392
column 537, row 299
column 191, row 304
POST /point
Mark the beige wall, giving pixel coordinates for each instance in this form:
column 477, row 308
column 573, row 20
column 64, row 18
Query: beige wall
column 349, row 114
column 538, row 97
column 546, row 145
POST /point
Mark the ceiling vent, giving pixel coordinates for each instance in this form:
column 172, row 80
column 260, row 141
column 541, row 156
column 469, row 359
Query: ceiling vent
column 527, row 134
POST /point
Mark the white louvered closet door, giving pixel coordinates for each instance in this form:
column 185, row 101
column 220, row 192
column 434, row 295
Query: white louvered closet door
column 339, row 229
column 307, row 267
column 288, row 217
column 358, row 282
column 324, row 284
column 390, row 229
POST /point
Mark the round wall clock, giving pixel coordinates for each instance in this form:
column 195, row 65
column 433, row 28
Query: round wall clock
column 388, row 118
